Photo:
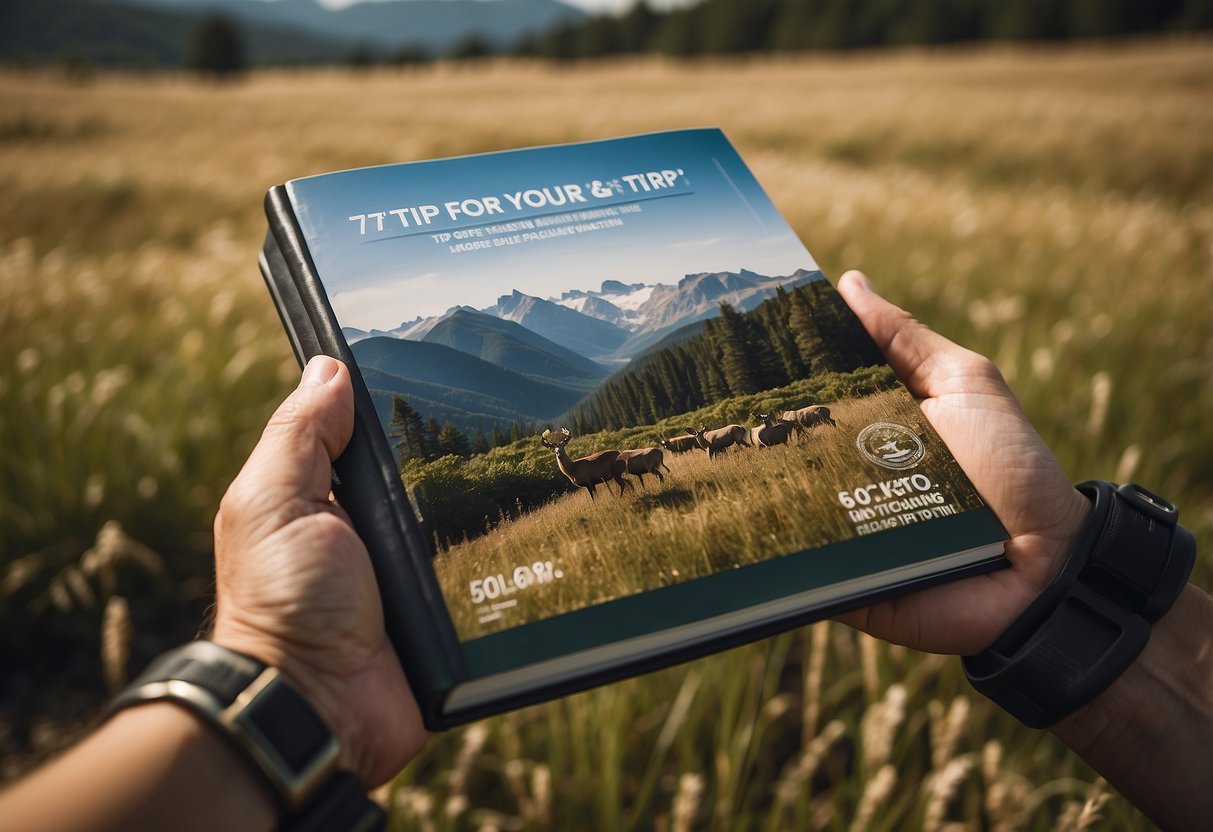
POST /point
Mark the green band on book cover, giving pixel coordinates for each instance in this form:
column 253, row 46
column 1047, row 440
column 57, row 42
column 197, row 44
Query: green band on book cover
column 727, row 592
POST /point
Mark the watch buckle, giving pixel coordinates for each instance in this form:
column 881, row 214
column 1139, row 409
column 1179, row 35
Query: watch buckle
column 296, row 783
column 1149, row 503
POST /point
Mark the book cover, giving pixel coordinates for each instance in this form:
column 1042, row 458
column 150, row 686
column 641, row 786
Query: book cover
column 613, row 413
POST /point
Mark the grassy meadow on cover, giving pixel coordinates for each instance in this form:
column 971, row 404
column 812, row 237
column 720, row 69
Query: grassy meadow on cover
column 1052, row 208
column 706, row 516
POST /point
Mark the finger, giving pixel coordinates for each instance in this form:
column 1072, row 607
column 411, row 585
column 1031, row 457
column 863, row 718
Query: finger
column 307, row 432
column 907, row 344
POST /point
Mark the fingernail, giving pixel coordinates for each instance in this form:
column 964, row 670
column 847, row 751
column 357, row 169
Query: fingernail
column 319, row 371
column 860, row 278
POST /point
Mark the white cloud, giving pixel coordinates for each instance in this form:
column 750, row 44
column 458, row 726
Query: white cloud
column 385, row 306
column 703, row 243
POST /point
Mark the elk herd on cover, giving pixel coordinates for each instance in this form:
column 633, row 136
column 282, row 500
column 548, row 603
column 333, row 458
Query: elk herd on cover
column 610, row 465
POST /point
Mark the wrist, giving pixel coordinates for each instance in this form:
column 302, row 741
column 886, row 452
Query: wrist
column 157, row 766
column 227, row 793
column 1134, row 732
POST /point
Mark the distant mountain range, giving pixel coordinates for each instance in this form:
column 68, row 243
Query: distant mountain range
column 698, row 296
column 150, row 33
column 619, row 320
column 527, row 358
column 450, row 385
column 118, row 34
column 436, row 24
column 575, row 330
column 617, row 302
column 509, row 344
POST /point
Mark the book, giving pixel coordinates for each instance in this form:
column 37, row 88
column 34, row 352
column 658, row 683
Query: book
column 609, row 415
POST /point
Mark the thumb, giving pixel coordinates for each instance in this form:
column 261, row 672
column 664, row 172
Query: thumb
column 305, row 434
column 907, row 344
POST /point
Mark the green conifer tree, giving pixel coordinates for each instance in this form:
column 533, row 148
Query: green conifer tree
column 730, row 335
column 805, row 332
column 216, row 47
column 406, row 432
column 451, row 440
column 480, row 442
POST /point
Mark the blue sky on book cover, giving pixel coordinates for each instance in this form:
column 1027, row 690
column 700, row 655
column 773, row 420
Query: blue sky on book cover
column 379, row 270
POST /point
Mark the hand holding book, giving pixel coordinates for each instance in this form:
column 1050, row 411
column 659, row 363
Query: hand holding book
column 294, row 584
column 1164, row 701
column 966, row 400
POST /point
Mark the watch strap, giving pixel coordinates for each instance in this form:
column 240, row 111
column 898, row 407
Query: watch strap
column 340, row 806
column 251, row 704
column 1130, row 563
column 254, row 707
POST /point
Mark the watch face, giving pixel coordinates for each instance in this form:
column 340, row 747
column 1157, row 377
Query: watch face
column 295, row 745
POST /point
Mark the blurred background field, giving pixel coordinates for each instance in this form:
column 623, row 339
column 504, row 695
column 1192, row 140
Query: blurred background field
column 1049, row 206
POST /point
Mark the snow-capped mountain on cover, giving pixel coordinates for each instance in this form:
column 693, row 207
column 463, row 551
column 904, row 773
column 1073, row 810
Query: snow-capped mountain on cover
column 618, row 320
column 585, row 334
column 616, row 302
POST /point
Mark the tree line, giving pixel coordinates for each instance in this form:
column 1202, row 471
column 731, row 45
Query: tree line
column 795, row 335
column 716, row 27
column 415, row 438
column 733, row 27
column 730, row 27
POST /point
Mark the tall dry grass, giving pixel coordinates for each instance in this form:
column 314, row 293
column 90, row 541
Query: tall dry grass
column 1051, row 208
column 708, row 515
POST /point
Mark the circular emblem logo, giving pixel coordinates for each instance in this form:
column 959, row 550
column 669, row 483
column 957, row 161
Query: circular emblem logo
column 891, row 445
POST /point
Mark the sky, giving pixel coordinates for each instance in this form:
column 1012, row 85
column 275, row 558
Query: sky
column 713, row 216
column 588, row 5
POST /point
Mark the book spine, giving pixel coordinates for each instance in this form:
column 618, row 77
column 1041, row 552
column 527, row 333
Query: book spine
column 414, row 609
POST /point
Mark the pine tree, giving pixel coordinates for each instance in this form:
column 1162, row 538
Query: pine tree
column 846, row 343
column 1027, row 20
column 732, row 27
column 216, row 48
column 451, row 440
column 496, row 437
column 730, row 338
column 406, row 432
column 805, row 333
column 637, row 27
column 764, row 363
column 790, row 29
column 599, row 36
column 680, row 34
column 779, row 332
column 480, row 442
column 432, row 429
column 715, row 385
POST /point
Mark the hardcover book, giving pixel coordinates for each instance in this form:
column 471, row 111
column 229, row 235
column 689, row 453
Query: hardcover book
column 609, row 415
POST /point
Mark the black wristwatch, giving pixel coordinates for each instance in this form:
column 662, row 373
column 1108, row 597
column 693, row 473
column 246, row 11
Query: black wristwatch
column 1130, row 564
column 254, row 707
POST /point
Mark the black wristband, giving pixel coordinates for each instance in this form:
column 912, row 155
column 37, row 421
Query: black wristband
column 261, row 714
column 340, row 806
column 1128, row 567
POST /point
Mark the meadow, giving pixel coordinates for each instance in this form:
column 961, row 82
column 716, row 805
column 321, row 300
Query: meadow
column 1050, row 207
column 707, row 515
